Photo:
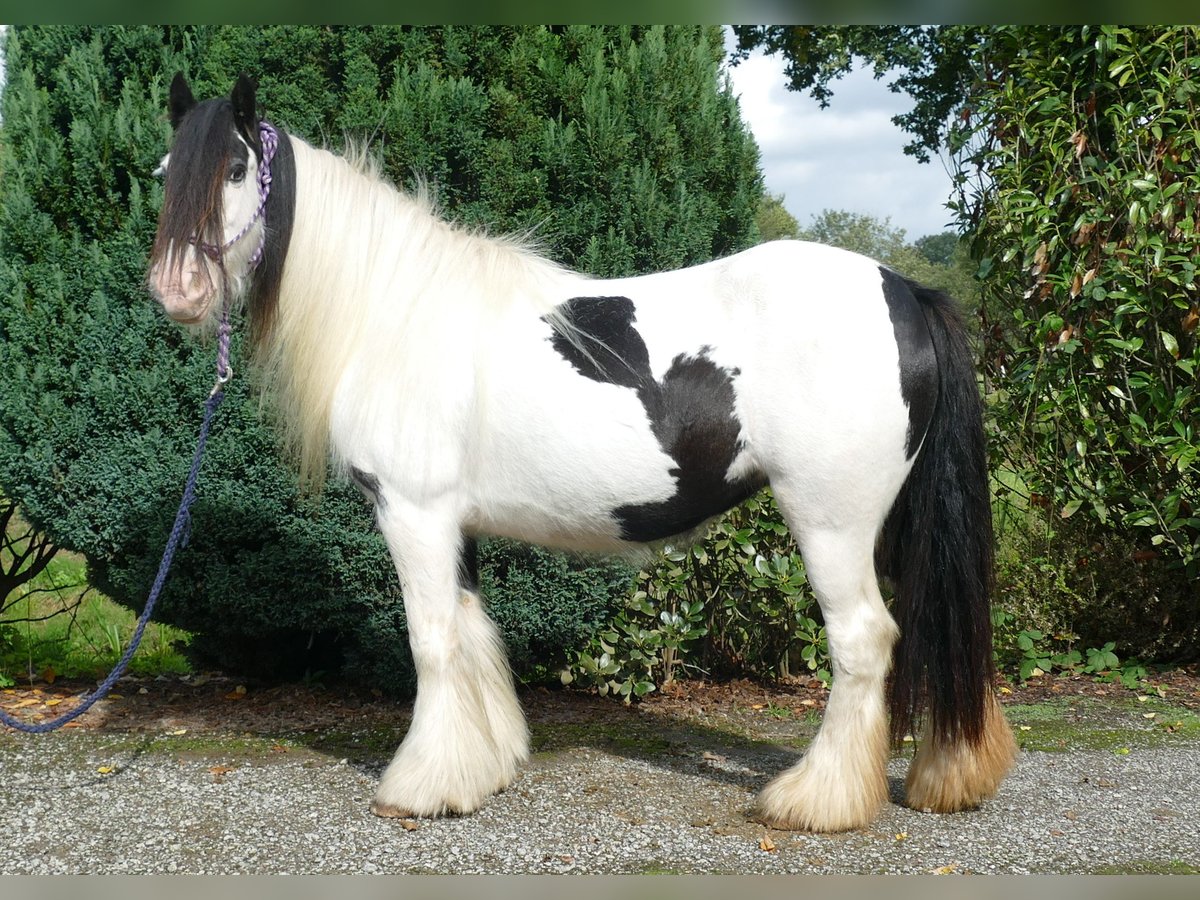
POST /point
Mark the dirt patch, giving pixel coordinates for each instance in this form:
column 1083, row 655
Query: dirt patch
column 757, row 711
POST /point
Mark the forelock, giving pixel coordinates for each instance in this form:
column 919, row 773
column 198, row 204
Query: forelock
column 195, row 176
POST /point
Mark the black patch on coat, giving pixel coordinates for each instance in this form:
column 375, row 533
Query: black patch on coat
column 918, row 361
column 613, row 352
column 468, row 565
column 368, row 484
column 691, row 413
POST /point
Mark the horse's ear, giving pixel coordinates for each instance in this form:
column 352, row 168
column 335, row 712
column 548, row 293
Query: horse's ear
column 245, row 115
column 181, row 99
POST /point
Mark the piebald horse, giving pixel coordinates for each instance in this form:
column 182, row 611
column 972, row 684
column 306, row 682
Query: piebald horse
column 470, row 386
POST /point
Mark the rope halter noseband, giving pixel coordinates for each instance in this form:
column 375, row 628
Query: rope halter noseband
column 270, row 143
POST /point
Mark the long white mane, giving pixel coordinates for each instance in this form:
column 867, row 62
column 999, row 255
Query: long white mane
column 375, row 278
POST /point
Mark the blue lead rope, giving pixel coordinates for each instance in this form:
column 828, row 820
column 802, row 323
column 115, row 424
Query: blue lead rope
column 178, row 533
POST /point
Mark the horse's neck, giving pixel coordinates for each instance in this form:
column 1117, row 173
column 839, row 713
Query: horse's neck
column 374, row 281
column 365, row 241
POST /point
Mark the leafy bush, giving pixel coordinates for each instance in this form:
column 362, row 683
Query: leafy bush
column 1064, row 594
column 738, row 602
column 1086, row 222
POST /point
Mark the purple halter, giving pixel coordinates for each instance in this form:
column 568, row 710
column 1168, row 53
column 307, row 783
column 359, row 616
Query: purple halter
column 270, row 141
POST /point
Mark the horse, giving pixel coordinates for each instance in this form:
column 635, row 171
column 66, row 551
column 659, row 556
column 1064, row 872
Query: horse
column 470, row 386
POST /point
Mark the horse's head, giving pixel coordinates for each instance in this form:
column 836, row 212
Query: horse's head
column 210, row 228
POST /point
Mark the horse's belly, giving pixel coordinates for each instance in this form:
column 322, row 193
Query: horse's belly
column 593, row 474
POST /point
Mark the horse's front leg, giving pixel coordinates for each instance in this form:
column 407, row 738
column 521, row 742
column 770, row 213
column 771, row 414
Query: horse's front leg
column 468, row 734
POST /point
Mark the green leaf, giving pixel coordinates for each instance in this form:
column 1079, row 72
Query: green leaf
column 1169, row 342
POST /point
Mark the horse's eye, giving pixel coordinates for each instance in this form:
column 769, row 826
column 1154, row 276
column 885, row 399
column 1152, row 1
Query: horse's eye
column 238, row 173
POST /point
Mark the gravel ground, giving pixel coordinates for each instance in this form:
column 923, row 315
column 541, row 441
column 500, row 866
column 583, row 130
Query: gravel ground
column 638, row 795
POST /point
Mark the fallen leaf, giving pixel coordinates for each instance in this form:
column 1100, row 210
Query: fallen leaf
column 237, row 693
column 1149, row 715
column 54, row 702
column 177, row 732
column 901, row 835
column 219, row 772
column 1005, row 690
column 409, row 825
column 1057, row 832
column 945, row 870
column 1071, row 814
column 766, row 844
column 1025, row 727
column 105, row 770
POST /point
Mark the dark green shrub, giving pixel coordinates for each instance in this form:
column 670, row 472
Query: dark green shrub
column 1086, row 587
column 548, row 603
column 617, row 146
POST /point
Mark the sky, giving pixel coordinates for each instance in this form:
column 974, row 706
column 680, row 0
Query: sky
column 848, row 156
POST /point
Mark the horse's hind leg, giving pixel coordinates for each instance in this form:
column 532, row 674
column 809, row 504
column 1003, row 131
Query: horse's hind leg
column 468, row 734
column 841, row 782
column 952, row 774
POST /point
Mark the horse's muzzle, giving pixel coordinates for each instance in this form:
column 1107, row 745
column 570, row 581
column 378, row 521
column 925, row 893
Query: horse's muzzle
column 185, row 293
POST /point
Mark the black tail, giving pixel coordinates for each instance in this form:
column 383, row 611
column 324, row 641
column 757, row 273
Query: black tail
column 936, row 548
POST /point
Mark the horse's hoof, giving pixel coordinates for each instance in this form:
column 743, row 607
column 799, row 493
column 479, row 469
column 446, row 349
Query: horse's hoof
column 388, row 811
